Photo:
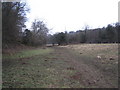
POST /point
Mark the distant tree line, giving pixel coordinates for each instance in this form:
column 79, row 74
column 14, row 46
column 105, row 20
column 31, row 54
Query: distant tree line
column 109, row 34
column 13, row 22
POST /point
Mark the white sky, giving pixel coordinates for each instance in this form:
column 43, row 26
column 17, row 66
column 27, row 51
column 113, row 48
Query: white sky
column 72, row 15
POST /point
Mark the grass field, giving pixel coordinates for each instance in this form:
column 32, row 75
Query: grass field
column 71, row 66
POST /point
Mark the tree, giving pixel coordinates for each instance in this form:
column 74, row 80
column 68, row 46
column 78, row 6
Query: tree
column 85, row 35
column 40, row 31
column 13, row 19
column 72, row 37
column 27, row 37
column 102, row 35
column 61, row 38
column 117, row 27
column 82, row 38
column 110, row 33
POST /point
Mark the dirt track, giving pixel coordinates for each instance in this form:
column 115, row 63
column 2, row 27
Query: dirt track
column 59, row 67
column 88, row 74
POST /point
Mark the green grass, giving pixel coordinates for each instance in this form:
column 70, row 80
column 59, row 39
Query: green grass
column 36, row 72
column 27, row 53
column 18, row 71
column 49, row 68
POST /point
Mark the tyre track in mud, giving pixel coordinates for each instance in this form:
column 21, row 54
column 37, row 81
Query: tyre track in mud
column 86, row 74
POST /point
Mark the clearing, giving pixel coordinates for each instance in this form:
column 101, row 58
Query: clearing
column 71, row 66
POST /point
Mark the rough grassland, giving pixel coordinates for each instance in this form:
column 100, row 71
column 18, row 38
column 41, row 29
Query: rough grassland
column 43, row 70
column 72, row 66
column 106, row 66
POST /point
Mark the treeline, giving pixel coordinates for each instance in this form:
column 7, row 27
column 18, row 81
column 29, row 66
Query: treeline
column 109, row 34
column 13, row 22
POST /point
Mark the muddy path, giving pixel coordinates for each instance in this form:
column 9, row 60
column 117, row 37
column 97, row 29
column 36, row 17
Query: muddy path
column 88, row 74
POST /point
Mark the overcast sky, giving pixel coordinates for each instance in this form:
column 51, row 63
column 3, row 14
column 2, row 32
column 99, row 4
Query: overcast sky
column 72, row 15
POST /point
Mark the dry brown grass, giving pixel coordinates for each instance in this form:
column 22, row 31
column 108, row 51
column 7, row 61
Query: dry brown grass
column 107, row 52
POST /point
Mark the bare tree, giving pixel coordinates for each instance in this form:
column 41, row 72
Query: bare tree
column 40, row 31
column 86, row 27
